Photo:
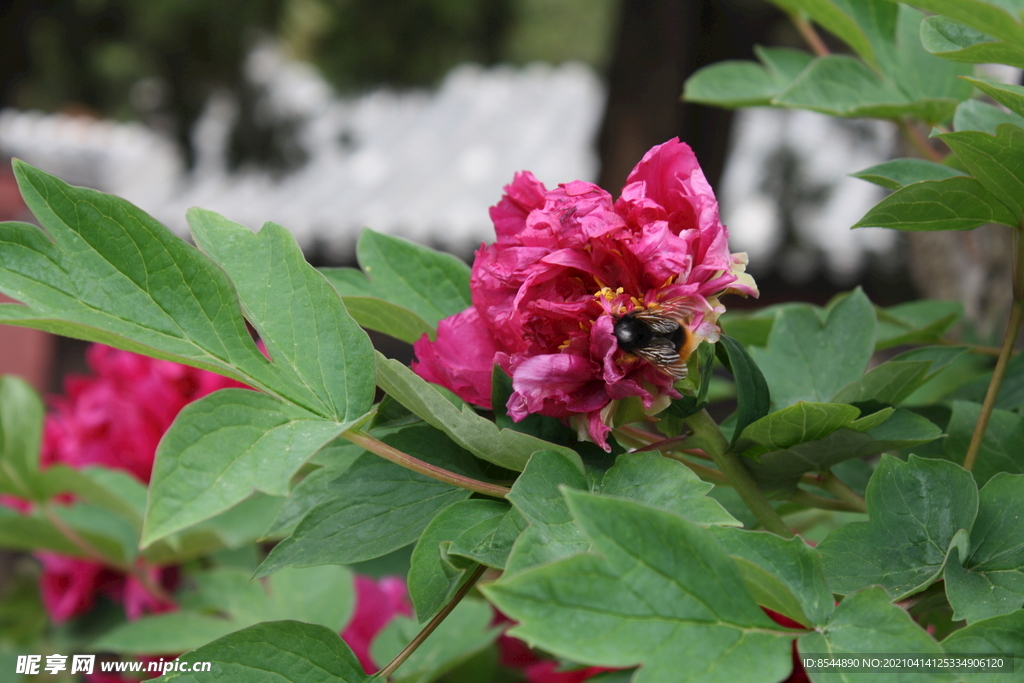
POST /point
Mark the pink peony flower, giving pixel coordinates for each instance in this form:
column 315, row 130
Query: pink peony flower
column 377, row 603
column 114, row 418
column 566, row 265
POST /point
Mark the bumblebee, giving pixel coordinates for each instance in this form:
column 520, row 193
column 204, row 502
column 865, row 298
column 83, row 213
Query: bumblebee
column 659, row 336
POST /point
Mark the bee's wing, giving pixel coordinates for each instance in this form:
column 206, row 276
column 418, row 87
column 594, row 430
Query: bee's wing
column 661, row 353
column 661, row 321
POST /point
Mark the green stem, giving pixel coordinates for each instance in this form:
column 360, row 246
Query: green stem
column 984, row 350
column 1009, row 341
column 378, row 447
column 840, row 490
column 811, row 500
column 400, row 658
column 713, row 442
column 702, row 471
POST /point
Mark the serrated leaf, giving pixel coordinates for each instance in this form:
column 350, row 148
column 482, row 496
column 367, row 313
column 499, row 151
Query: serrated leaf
column 959, row 203
column 991, row 581
column 1002, row 447
column 801, row 344
column 888, row 383
column 433, row 578
column 916, row 322
column 778, row 472
column 752, row 396
column 892, row 175
column 915, row 509
column 112, row 274
column 655, row 481
column 952, row 40
column 463, row 633
column 222, row 447
column 21, row 426
column 375, row 507
column 276, row 652
column 478, row 435
column 704, row 626
column 736, row 83
column 867, row 623
column 784, row 575
column 297, row 313
column 226, row 601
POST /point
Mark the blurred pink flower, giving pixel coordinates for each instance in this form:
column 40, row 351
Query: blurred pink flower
column 114, row 418
column 377, row 603
column 566, row 264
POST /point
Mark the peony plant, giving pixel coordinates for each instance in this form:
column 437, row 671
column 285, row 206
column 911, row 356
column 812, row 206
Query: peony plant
column 589, row 453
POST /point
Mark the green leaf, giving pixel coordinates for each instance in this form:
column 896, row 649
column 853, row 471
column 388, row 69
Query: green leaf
column 778, row 472
column 978, row 115
column 1011, row 393
column 889, row 383
column 959, row 203
column 892, row 175
column 916, row 322
column 952, row 40
column 796, row 424
column 315, row 486
column 297, row 313
column 373, row 312
column 105, row 271
column 222, row 447
column 537, row 494
column 1002, row 447
column 737, row 83
column 375, row 507
column 490, row 542
column 226, row 601
column 991, row 581
column 999, row 19
column 843, row 86
column 752, row 396
column 866, row 26
column 276, row 652
column 784, row 575
column 1002, row 635
column 997, row 162
column 702, row 626
column 915, row 509
column 866, row 623
column 920, row 74
column 434, row 576
column 431, row 284
column 655, row 481
column 478, row 435
column 22, row 532
column 1011, row 96
column 463, row 633
column 21, row 426
column 801, row 344
column 113, row 490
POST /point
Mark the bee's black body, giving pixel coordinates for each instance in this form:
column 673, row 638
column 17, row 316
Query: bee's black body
column 658, row 339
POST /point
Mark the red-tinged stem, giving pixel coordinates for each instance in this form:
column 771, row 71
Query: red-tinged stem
column 431, row 625
column 811, row 500
column 97, row 555
column 378, row 447
column 1009, row 341
column 705, row 473
column 808, row 33
column 918, row 141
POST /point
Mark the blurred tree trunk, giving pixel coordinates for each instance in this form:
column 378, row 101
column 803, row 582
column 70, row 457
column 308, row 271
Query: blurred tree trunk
column 660, row 43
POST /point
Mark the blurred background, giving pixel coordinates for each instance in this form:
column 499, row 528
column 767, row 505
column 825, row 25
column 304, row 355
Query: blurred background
column 409, row 116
